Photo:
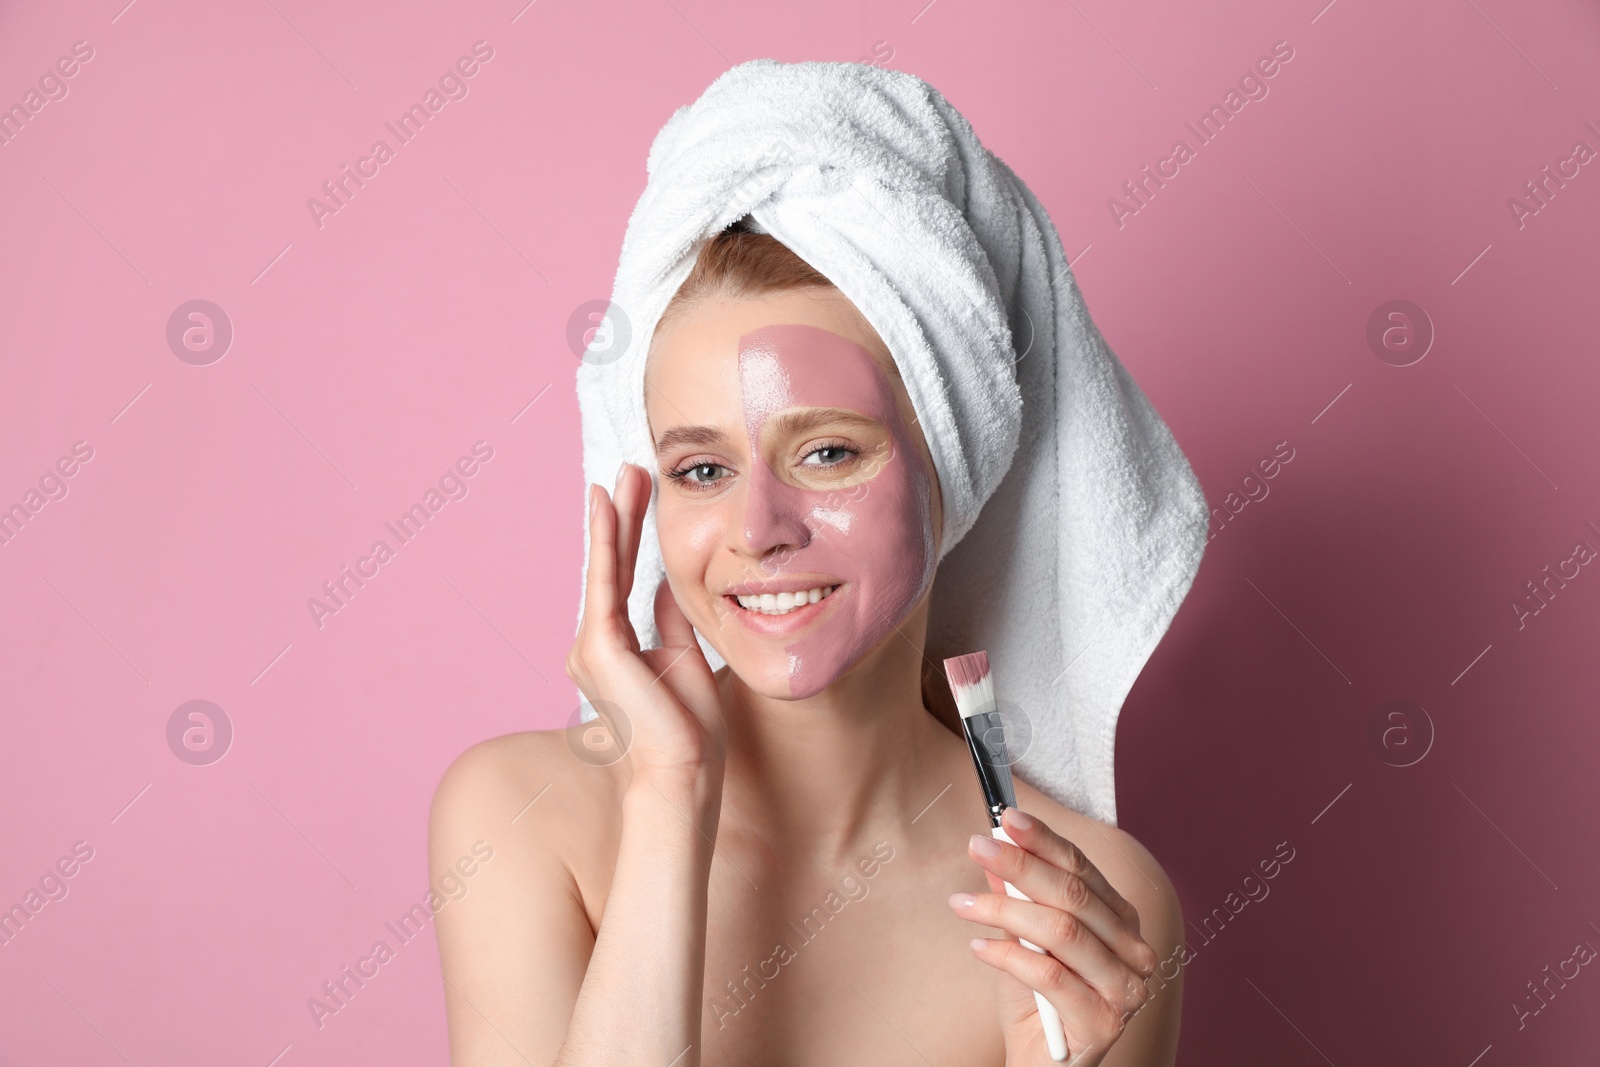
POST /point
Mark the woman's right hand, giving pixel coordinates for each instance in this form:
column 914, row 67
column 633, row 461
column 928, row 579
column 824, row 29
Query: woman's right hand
column 674, row 725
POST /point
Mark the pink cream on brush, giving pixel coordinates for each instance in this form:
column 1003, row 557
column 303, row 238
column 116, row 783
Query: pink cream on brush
column 874, row 537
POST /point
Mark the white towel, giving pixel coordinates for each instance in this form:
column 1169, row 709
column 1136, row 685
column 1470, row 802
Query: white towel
column 1073, row 524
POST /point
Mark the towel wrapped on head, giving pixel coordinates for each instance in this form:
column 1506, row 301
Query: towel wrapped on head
column 1073, row 523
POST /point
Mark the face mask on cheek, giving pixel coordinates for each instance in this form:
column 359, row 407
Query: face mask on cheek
column 874, row 537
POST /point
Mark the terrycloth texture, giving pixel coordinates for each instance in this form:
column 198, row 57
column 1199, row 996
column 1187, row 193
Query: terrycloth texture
column 1092, row 522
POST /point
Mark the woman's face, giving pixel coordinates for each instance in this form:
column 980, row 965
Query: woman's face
column 798, row 511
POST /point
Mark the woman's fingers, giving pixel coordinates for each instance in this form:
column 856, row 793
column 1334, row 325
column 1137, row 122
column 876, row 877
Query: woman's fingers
column 630, row 512
column 1086, row 1018
column 1034, row 836
column 669, row 697
column 1066, row 879
column 674, row 626
column 1063, row 936
column 605, row 615
column 599, row 580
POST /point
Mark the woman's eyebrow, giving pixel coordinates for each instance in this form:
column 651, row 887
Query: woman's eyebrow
column 790, row 422
column 702, row 436
column 816, row 418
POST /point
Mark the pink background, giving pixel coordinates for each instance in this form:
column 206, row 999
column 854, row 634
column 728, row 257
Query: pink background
column 431, row 311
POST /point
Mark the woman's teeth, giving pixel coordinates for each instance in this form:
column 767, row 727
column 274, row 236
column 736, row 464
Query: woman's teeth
column 783, row 603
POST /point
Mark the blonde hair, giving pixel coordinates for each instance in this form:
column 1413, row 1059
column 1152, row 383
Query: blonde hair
column 739, row 263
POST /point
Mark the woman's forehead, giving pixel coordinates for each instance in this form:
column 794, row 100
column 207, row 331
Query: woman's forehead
column 778, row 350
column 710, row 320
column 797, row 365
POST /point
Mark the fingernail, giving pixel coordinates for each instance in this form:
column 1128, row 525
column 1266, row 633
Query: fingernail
column 594, row 501
column 977, row 943
column 984, row 846
column 1018, row 819
column 620, row 468
column 962, row 900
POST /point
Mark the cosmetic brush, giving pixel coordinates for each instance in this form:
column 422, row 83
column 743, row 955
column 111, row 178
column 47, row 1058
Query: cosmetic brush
column 973, row 688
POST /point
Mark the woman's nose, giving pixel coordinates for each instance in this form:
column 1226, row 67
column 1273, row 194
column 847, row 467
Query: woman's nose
column 774, row 513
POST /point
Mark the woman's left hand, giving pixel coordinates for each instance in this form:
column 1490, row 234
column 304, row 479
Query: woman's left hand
column 1094, row 964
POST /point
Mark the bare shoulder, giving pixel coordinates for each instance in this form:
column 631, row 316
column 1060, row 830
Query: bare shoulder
column 1126, row 863
column 534, row 796
column 501, row 769
column 521, row 846
column 1150, row 1038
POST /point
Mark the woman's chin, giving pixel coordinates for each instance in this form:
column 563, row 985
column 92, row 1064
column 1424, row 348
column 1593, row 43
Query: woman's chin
column 773, row 677
column 764, row 672
column 763, row 676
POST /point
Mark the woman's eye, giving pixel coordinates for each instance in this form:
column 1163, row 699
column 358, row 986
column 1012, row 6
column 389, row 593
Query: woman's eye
column 829, row 455
column 702, row 473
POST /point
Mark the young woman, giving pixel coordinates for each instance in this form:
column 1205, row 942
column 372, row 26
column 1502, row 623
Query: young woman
column 790, row 862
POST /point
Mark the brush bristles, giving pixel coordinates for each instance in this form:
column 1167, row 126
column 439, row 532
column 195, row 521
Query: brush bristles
column 968, row 669
column 970, row 683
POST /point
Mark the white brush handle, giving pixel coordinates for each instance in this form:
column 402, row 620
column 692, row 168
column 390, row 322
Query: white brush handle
column 1054, row 1036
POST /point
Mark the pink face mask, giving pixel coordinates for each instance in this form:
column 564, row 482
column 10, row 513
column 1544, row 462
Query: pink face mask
column 873, row 536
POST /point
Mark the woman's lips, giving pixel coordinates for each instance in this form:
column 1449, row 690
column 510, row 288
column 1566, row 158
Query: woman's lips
column 788, row 623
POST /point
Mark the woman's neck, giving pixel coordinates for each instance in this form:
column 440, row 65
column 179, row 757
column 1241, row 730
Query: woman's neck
column 823, row 777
